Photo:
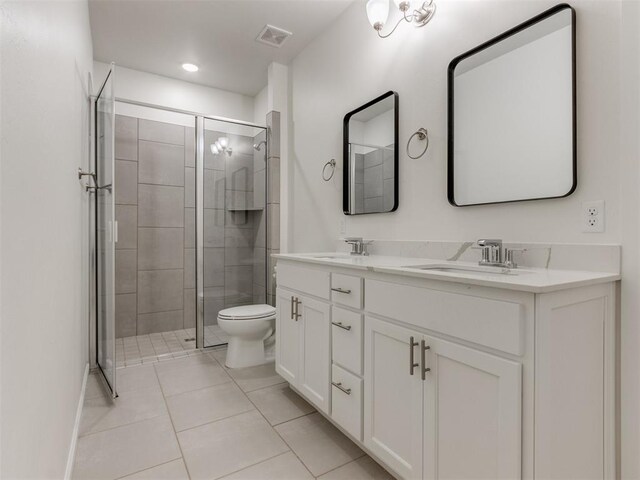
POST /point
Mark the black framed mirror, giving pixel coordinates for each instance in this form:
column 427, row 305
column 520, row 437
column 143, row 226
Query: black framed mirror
column 370, row 157
column 512, row 114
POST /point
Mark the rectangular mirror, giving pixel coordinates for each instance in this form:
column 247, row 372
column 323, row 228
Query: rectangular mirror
column 370, row 157
column 512, row 114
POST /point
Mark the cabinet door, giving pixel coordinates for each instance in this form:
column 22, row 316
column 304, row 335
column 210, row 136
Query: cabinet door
column 315, row 359
column 472, row 414
column 287, row 337
column 393, row 402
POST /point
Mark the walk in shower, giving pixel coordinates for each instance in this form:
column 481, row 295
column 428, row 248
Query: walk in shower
column 190, row 206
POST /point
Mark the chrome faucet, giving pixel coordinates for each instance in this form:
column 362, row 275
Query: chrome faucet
column 358, row 245
column 495, row 256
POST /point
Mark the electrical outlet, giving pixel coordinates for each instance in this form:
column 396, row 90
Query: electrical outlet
column 593, row 215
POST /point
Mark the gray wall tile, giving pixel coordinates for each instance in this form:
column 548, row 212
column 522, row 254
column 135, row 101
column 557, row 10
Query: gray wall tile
column 373, row 182
column 159, row 322
column 388, row 189
column 127, row 218
column 239, row 219
column 239, row 172
column 189, row 228
column 213, row 267
column 190, row 187
column 160, row 163
column 189, row 147
column 213, row 228
column 238, row 256
column 259, row 189
column 273, row 217
column 189, row 268
column 160, row 291
column 160, row 206
column 372, row 158
column 161, row 132
column 274, row 180
column 273, row 122
column 214, row 188
column 189, row 317
column 126, row 138
column 126, row 185
column 388, row 164
column 238, row 237
column 126, row 315
column 126, row 269
column 160, row 248
column 238, row 285
column 373, row 204
column 213, row 303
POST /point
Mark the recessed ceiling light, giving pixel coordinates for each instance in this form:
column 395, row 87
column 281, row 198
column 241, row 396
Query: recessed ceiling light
column 190, row 67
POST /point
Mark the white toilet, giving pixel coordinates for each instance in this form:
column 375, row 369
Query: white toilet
column 248, row 327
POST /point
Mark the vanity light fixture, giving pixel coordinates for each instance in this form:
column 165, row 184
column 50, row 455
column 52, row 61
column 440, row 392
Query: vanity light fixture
column 221, row 146
column 418, row 16
column 190, row 67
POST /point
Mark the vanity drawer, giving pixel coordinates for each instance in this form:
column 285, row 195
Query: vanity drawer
column 347, row 290
column 346, row 338
column 308, row 280
column 493, row 322
column 346, row 401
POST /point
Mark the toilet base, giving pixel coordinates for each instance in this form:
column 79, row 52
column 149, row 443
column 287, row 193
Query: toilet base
column 245, row 353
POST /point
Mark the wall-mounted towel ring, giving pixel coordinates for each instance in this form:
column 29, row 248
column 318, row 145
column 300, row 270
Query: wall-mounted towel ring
column 422, row 134
column 331, row 163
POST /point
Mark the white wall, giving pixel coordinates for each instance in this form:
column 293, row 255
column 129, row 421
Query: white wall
column 260, row 109
column 169, row 92
column 46, row 57
column 348, row 66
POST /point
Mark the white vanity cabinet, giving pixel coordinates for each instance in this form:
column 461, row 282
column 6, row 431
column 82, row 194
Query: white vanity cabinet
column 440, row 379
column 302, row 332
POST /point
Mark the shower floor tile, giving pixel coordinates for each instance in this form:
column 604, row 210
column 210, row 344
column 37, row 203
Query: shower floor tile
column 156, row 347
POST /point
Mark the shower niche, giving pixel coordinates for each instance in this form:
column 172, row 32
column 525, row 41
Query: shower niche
column 191, row 199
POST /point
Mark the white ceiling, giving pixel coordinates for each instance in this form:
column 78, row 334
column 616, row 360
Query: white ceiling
column 158, row 36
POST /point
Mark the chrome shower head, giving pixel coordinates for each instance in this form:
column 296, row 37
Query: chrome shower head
column 258, row 146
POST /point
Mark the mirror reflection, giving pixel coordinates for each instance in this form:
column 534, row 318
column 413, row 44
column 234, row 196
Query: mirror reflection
column 371, row 157
column 512, row 114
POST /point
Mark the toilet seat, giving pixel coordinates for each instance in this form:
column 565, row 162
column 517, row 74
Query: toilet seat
column 247, row 312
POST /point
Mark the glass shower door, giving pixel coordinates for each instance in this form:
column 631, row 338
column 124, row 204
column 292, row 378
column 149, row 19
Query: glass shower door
column 106, row 230
column 232, row 221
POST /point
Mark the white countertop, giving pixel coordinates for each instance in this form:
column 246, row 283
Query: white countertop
column 535, row 280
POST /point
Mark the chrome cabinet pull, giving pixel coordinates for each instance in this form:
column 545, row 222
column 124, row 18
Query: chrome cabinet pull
column 297, row 313
column 341, row 388
column 412, row 363
column 292, row 312
column 341, row 290
column 340, row 325
column 423, row 358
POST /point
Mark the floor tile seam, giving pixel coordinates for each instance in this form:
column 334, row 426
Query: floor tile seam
column 173, row 427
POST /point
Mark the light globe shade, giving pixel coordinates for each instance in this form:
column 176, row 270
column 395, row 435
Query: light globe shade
column 223, row 142
column 214, row 149
column 377, row 12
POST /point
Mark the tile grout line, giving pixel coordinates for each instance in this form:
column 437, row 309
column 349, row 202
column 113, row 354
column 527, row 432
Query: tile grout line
column 166, row 405
column 271, row 426
column 145, row 469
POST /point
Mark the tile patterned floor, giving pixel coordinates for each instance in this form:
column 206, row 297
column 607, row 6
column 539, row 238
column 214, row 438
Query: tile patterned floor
column 156, row 347
column 192, row 417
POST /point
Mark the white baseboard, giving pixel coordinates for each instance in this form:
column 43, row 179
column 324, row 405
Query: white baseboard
column 76, row 427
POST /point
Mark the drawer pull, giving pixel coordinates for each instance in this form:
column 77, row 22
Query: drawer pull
column 412, row 364
column 292, row 312
column 341, row 388
column 423, row 352
column 340, row 325
column 341, row 290
column 297, row 313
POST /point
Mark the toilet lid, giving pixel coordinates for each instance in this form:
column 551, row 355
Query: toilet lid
column 247, row 312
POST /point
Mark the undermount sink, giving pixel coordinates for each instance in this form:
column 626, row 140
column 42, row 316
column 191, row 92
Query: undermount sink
column 468, row 269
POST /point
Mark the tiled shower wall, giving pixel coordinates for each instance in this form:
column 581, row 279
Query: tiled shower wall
column 374, row 181
column 155, row 211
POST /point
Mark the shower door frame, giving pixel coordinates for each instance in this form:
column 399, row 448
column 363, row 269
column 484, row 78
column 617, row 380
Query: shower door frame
column 200, row 131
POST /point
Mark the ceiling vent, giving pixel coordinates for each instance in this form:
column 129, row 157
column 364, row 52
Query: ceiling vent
column 273, row 36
